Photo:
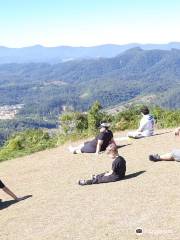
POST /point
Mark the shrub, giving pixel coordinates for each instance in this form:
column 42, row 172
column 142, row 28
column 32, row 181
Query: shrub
column 127, row 119
column 166, row 118
column 94, row 117
column 26, row 142
column 73, row 122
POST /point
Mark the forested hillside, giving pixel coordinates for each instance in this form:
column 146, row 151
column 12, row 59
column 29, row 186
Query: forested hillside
column 46, row 89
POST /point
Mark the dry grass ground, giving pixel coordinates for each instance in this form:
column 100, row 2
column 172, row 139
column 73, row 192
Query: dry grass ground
column 60, row 209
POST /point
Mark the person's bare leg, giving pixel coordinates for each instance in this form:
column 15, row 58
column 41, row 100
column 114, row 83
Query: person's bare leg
column 166, row 157
column 10, row 193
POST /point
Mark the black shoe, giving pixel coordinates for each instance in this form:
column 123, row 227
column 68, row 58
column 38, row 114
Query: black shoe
column 86, row 182
column 154, row 157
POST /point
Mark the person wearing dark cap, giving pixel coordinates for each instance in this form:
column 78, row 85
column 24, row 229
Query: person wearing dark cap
column 98, row 144
column 146, row 126
column 115, row 174
column 9, row 192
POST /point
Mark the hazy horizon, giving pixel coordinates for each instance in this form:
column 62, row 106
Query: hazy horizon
column 104, row 44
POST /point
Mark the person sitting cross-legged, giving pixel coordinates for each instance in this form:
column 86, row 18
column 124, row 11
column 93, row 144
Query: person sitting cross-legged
column 117, row 173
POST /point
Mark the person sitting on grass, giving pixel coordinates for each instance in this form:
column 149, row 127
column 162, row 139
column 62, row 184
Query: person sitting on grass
column 117, row 173
column 172, row 156
column 98, row 144
column 10, row 193
column 146, row 126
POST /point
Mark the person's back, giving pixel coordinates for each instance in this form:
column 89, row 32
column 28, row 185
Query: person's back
column 119, row 167
column 147, row 125
column 106, row 137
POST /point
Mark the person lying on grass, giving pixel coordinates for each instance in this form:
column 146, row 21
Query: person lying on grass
column 146, row 126
column 118, row 169
column 10, row 193
column 174, row 155
column 100, row 143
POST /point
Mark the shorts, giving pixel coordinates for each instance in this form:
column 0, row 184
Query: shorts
column 176, row 154
column 1, row 184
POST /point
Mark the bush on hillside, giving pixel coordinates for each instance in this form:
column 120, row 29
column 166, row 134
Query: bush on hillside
column 166, row 118
column 73, row 122
column 127, row 119
column 26, row 142
column 94, row 117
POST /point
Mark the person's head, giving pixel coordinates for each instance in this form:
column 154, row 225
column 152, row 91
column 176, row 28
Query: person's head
column 112, row 150
column 104, row 127
column 144, row 110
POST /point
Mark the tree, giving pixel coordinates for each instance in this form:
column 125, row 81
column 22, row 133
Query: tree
column 94, row 117
column 73, row 122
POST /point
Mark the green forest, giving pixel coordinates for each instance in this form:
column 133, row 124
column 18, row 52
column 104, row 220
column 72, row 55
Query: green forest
column 45, row 88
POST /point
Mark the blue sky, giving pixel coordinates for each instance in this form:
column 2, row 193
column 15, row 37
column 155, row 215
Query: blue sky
column 88, row 22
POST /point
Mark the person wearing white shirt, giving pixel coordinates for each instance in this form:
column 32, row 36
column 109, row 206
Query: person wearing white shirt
column 146, row 126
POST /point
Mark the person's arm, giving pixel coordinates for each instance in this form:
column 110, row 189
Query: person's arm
column 98, row 147
column 113, row 141
column 141, row 125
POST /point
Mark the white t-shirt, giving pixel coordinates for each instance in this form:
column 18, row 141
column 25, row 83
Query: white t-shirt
column 147, row 125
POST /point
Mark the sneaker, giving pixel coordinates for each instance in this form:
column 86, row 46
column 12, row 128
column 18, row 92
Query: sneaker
column 72, row 150
column 154, row 157
column 82, row 182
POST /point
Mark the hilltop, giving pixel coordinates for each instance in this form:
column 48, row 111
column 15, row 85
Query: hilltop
column 60, row 209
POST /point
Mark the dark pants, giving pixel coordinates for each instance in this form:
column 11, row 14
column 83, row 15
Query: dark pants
column 88, row 148
column 1, row 184
column 100, row 178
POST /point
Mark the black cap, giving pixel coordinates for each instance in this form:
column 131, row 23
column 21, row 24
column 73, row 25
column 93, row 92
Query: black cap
column 144, row 110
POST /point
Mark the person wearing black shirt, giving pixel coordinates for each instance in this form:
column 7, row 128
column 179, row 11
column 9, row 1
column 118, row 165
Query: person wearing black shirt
column 117, row 173
column 98, row 144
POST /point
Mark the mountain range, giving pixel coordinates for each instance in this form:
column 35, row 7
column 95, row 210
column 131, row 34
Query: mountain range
column 46, row 89
column 38, row 53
